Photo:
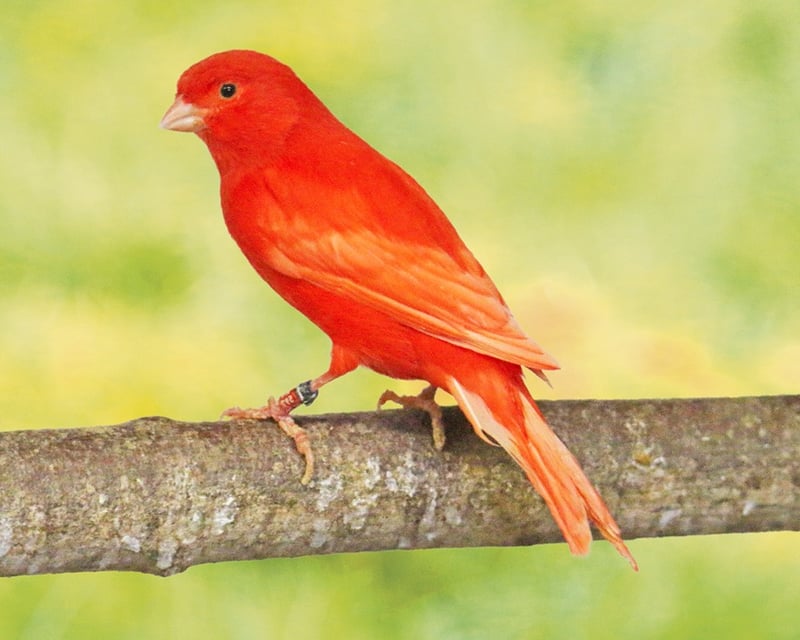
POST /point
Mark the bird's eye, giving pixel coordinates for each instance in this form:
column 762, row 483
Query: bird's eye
column 227, row 90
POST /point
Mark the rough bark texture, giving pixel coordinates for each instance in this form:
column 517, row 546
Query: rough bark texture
column 158, row 496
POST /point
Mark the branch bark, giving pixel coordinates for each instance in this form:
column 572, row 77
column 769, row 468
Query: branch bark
column 158, row 495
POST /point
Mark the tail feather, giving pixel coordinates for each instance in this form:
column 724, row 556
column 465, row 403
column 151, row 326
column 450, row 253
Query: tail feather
column 554, row 472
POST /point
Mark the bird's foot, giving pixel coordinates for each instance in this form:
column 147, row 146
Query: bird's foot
column 278, row 410
column 425, row 402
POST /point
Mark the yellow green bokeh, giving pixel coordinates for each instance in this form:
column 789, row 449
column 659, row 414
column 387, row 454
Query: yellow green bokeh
column 628, row 173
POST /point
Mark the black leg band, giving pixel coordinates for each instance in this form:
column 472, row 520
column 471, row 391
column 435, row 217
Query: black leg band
column 306, row 394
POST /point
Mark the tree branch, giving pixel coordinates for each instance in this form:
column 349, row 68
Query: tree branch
column 158, row 496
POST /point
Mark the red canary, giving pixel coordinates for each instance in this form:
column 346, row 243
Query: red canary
column 355, row 244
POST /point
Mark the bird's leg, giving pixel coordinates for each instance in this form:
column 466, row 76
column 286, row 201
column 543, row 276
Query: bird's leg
column 279, row 410
column 422, row 401
column 304, row 393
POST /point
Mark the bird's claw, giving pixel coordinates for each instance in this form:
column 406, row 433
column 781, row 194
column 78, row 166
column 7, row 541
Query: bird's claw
column 279, row 412
column 422, row 401
column 237, row 413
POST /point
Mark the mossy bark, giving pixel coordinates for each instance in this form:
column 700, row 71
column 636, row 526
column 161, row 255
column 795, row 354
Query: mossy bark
column 157, row 495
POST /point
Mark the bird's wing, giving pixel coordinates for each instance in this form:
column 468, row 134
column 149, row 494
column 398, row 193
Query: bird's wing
column 417, row 269
column 418, row 286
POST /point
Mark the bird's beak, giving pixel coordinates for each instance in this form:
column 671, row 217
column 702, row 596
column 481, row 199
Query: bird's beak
column 183, row 116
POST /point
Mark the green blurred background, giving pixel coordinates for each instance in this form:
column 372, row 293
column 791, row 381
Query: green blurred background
column 628, row 173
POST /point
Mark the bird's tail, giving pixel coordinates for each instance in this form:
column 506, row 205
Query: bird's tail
column 506, row 412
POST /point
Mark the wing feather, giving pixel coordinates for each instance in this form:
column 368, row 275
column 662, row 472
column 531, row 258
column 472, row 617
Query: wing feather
column 421, row 286
column 379, row 240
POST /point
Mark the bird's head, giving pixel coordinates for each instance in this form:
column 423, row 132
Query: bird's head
column 241, row 103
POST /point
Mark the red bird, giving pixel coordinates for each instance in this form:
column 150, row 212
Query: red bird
column 354, row 243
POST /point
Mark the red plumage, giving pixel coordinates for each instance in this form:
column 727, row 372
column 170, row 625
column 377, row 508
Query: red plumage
column 355, row 244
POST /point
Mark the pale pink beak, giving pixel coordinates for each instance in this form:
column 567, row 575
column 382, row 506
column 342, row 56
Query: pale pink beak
column 183, row 116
